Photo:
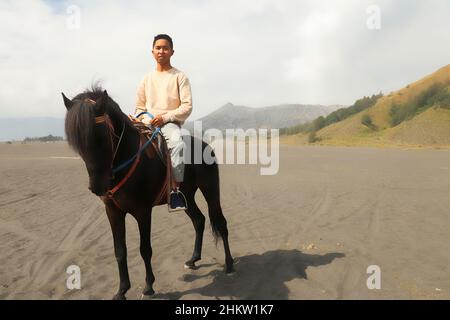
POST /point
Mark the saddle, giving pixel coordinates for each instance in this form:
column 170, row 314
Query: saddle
column 158, row 148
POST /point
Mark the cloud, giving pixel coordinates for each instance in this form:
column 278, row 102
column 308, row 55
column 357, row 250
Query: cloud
column 253, row 53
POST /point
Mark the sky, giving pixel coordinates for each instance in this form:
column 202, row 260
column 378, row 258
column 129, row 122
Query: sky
column 248, row 52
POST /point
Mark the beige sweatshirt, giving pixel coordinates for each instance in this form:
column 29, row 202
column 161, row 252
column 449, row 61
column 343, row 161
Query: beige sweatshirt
column 166, row 93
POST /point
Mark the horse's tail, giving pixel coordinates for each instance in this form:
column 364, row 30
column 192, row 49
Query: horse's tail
column 207, row 175
column 216, row 217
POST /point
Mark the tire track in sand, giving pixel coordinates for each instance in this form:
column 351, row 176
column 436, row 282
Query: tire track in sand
column 47, row 272
column 320, row 207
column 73, row 237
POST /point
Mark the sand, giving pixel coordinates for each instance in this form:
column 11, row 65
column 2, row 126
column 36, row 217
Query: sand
column 309, row 232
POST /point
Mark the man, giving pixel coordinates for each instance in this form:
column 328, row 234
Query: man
column 166, row 94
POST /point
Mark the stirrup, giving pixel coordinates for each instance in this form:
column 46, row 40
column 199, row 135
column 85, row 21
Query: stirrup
column 178, row 208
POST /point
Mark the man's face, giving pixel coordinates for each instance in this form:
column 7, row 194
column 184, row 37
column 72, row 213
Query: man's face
column 162, row 51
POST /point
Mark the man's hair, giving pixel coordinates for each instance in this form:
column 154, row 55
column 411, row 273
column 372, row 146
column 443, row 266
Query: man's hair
column 163, row 36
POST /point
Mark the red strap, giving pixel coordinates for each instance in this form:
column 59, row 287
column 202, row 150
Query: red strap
column 110, row 193
column 130, row 172
column 116, row 204
column 162, row 192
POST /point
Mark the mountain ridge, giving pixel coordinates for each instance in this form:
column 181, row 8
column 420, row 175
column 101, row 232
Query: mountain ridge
column 395, row 119
column 231, row 116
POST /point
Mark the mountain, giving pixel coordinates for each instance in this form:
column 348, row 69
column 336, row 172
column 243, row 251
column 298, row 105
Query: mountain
column 231, row 116
column 21, row 128
column 228, row 116
column 417, row 115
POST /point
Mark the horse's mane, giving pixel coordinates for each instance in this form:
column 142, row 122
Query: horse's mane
column 80, row 118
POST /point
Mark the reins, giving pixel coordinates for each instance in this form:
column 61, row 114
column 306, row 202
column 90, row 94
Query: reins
column 135, row 159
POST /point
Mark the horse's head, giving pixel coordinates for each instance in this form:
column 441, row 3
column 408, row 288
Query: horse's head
column 88, row 131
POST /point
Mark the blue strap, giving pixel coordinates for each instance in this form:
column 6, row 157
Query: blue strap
column 138, row 154
column 145, row 112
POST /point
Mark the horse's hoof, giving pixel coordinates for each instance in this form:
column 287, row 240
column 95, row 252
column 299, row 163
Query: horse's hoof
column 119, row 296
column 190, row 265
column 148, row 291
column 229, row 270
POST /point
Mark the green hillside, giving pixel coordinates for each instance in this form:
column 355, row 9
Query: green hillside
column 417, row 115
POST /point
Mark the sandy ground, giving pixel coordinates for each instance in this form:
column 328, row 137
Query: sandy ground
column 309, row 232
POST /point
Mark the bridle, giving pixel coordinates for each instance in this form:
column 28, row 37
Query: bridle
column 111, row 132
column 104, row 118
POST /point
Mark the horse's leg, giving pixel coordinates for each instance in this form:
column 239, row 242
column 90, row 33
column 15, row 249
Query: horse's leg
column 218, row 222
column 144, row 223
column 117, row 221
column 198, row 220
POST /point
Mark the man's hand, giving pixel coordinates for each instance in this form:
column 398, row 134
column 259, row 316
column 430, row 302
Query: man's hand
column 157, row 121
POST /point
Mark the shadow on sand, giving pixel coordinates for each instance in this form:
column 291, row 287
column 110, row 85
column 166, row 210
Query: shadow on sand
column 257, row 276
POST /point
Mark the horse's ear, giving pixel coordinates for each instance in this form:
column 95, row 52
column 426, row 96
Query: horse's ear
column 100, row 104
column 67, row 102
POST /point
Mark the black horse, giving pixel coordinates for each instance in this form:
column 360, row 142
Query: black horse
column 105, row 137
